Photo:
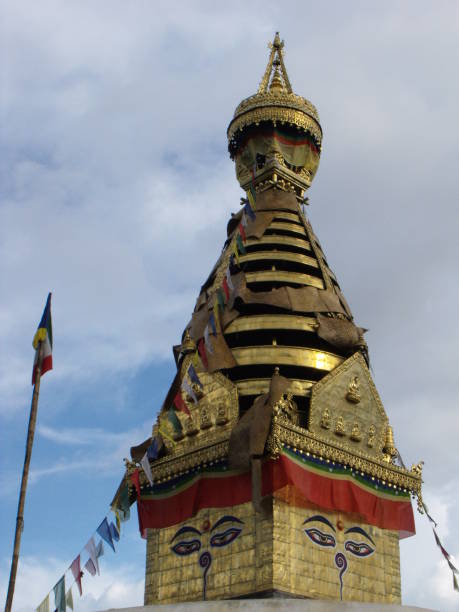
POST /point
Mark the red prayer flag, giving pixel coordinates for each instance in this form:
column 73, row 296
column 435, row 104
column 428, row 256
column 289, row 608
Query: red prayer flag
column 226, row 288
column 77, row 573
column 202, row 352
column 242, row 232
column 136, row 481
column 180, row 404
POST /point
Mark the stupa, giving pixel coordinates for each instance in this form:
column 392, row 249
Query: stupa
column 272, row 469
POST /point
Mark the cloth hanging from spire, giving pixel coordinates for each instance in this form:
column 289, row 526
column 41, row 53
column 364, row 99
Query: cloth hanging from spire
column 226, row 288
column 180, row 404
column 44, row 334
column 189, row 391
column 91, row 548
column 202, row 353
column 193, row 376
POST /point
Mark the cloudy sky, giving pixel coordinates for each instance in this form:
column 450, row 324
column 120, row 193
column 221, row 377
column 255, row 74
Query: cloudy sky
column 115, row 189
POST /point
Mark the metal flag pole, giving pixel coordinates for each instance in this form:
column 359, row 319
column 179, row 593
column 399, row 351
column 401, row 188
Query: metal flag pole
column 25, row 476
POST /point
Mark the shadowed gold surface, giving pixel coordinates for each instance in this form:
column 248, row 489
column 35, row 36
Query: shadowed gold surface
column 291, row 227
column 287, row 217
column 280, row 276
column 253, row 322
column 279, row 256
column 287, row 355
column 284, row 240
column 257, row 386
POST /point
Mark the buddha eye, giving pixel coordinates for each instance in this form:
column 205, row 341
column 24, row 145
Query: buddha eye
column 320, row 538
column 226, row 537
column 359, row 549
column 186, row 547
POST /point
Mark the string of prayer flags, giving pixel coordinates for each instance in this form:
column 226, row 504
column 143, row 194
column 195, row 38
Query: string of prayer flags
column 104, row 531
column 202, row 353
column 135, row 479
column 59, row 595
column 193, row 376
column 91, row 548
column 180, row 404
column 174, row 420
column 69, row 599
column 114, row 532
column 75, row 568
column 44, row 606
column 188, row 389
column 145, row 463
column 240, row 246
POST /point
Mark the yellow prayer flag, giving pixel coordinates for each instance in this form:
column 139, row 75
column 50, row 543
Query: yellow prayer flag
column 69, row 599
column 44, row 606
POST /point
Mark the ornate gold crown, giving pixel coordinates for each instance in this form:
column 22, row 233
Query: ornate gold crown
column 275, row 102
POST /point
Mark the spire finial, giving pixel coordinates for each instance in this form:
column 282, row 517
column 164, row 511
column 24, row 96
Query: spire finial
column 280, row 80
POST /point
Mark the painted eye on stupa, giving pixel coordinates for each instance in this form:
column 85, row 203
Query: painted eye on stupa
column 359, row 549
column 228, row 536
column 186, row 548
column 223, row 538
column 320, row 538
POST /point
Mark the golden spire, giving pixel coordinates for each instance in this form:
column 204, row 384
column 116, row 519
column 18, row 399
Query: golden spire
column 275, row 62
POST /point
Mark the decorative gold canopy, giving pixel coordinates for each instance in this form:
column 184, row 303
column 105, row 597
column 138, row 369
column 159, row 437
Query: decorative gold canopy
column 295, row 151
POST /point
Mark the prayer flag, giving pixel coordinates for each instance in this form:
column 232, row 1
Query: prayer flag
column 242, row 232
column 207, row 340
column 69, row 599
column 202, row 353
column 240, row 246
column 75, row 568
column 236, row 253
column 153, row 450
column 174, row 420
column 44, row 334
column 212, row 323
column 188, row 389
column 244, row 219
column 123, row 506
column 100, row 549
column 193, row 376
column 59, row 595
column 91, row 548
column 90, row 567
column 135, row 479
column 180, row 404
column 220, row 298
column 249, row 211
column 251, row 197
column 44, row 606
column 145, row 463
column 226, row 288
column 118, row 520
column 114, row 531
column 216, row 313
column 228, row 279
column 104, row 531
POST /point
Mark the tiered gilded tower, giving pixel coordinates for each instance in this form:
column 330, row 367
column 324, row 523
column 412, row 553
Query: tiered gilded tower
column 272, row 469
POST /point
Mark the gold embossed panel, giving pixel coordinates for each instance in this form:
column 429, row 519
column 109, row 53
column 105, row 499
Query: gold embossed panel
column 233, row 552
column 346, row 408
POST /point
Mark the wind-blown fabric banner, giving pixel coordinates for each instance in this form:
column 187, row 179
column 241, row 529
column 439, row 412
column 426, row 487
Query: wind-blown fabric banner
column 69, row 599
column 44, row 334
column 114, row 531
column 302, row 478
column 145, row 463
column 44, row 606
column 91, row 548
column 75, row 568
column 59, row 595
column 104, row 531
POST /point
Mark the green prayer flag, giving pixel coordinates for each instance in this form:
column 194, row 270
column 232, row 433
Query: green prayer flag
column 220, row 298
column 240, row 245
column 174, row 420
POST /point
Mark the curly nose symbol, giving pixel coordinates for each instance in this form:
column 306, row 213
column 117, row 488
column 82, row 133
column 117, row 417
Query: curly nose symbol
column 204, row 561
column 341, row 564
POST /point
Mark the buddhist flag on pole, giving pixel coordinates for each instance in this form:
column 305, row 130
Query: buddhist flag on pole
column 44, row 334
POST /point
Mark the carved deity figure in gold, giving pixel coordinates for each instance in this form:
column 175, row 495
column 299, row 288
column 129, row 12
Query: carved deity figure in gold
column 353, row 392
column 371, row 436
column 325, row 419
column 340, row 429
column 355, row 432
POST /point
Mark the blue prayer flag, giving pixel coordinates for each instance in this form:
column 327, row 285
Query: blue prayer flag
column 152, row 450
column 212, row 324
column 114, row 532
column 104, row 531
column 249, row 211
column 193, row 376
